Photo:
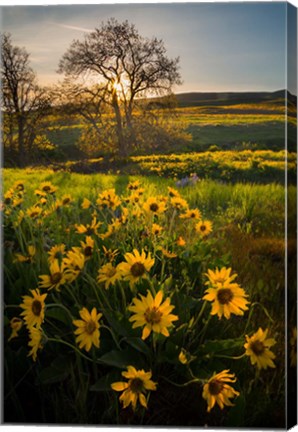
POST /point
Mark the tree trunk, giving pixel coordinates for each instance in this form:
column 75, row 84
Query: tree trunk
column 121, row 139
column 21, row 149
column 132, row 135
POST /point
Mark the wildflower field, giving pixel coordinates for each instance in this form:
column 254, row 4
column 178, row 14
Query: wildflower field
column 141, row 300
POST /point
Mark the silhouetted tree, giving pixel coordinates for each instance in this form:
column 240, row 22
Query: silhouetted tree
column 127, row 66
column 23, row 101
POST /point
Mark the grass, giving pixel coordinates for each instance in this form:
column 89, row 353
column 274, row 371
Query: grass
column 248, row 228
column 253, row 208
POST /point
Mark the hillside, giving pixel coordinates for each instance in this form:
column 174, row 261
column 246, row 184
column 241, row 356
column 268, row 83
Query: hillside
column 227, row 98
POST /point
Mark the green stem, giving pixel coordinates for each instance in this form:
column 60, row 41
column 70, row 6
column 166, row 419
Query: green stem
column 230, row 357
column 74, row 348
column 195, row 380
column 112, row 334
column 251, row 311
column 204, row 329
column 199, row 315
column 69, row 291
column 51, row 305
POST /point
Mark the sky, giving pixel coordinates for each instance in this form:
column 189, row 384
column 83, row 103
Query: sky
column 222, row 46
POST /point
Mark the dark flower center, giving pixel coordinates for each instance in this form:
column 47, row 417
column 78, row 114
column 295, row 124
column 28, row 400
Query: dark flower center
column 137, row 269
column 225, row 296
column 7, row 201
column 88, row 251
column 89, row 231
column 153, row 316
column 192, row 215
column 90, row 327
column 136, row 385
column 111, row 272
column 56, row 278
column 257, row 347
column 203, row 228
column 154, row 207
column 215, row 387
column 34, row 214
column 46, row 188
column 36, row 307
column 65, row 201
column 20, row 187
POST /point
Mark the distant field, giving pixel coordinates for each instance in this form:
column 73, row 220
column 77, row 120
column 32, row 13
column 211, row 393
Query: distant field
column 238, row 126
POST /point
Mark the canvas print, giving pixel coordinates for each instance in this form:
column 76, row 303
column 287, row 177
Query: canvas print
column 148, row 215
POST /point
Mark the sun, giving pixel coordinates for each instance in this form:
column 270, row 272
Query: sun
column 121, row 86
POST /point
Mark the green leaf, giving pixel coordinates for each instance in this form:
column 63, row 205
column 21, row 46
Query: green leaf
column 118, row 324
column 170, row 353
column 104, row 383
column 56, row 372
column 217, row 346
column 58, row 314
column 52, row 375
column 139, row 345
column 122, row 359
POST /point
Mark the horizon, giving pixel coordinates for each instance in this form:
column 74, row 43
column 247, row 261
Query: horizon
column 223, row 47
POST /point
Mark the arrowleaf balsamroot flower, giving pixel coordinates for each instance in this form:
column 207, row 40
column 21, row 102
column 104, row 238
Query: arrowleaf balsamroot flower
column 152, row 314
column 173, row 192
column 156, row 229
column 110, row 254
column 46, row 188
column 179, row 203
column 33, row 212
column 220, row 276
column 56, row 278
column 227, row 299
column 34, row 308
column 35, row 342
column 88, row 229
column 108, row 274
column 74, row 264
column 204, row 228
column 86, row 203
column 258, row 349
column 134, row 390
column 87, row 248
column 154, row 206
column 57, row 252
column 136, row 266
column 191, row 214
column 216, row 390
column 15, row 324
column 88, row 329
column 108, row 199
column 28, row 258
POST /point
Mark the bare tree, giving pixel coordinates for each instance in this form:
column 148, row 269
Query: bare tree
column 23, row 101
column 87, row 103
column 127, row 66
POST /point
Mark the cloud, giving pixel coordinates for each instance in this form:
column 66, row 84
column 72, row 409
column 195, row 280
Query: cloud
column 70, row 27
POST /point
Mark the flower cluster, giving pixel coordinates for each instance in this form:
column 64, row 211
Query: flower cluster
column 147, row 302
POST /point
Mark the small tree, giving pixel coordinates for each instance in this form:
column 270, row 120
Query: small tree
column 23, row 101
column 127, row 66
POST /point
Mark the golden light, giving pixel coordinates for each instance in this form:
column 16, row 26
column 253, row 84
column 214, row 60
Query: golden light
column 121, row 87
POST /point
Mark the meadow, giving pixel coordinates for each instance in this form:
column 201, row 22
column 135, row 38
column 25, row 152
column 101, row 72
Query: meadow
column 151, row 290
